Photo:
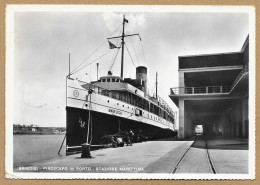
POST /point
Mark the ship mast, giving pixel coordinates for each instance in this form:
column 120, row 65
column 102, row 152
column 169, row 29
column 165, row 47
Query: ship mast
column 97, row 70
column 156, row 84
column 123, row 43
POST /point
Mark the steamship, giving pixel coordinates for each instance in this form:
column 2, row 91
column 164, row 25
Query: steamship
column 112, row 104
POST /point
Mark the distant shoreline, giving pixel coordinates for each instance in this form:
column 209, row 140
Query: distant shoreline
column 21, row 133
column 36, row 130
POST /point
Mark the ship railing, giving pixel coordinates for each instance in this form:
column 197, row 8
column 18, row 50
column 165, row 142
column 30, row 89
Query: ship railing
column 118, row 96
column 200, row 90
column 161, row 103
column 127, row 99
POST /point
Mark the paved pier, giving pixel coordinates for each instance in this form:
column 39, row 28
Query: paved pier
column 140, row 157
column 196, row 160
column 216, row 155
column 227, row 156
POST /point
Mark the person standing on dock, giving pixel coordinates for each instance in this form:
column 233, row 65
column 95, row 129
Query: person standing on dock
column 113, row 142
column 140, row 136
column 131, row 135
column 127, row 138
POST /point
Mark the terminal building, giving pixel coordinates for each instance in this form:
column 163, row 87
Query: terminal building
column 213, row 92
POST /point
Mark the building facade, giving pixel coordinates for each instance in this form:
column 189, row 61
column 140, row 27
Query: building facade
column 213, row 92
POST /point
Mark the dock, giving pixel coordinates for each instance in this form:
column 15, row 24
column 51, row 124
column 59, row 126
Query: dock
column 201, row 155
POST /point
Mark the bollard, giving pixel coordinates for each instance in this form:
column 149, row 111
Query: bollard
column 85, row 151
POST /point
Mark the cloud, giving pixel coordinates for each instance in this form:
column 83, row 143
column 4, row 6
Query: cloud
column 35, row 106
column 135, row 22
column 113, row 20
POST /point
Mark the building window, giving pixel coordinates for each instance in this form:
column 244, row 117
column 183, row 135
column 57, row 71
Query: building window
column 108, row 80
column 113, row 80
column 103, row 80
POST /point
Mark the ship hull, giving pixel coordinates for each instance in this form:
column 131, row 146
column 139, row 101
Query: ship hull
column 102, row 125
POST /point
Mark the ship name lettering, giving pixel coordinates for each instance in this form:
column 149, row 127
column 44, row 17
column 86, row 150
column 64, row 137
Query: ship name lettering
column 115, row 111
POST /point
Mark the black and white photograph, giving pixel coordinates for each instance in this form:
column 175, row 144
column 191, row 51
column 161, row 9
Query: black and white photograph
column 130, row 92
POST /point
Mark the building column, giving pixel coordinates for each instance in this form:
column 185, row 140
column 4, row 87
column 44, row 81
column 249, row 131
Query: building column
column 233, row 120
column 181, row 118
column 188, row 129
column 244, row 118
column 238, row 118
column 181, row 79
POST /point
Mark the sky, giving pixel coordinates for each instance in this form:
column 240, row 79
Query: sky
column 43, row 41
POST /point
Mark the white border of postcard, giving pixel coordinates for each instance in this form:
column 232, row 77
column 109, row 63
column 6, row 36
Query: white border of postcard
column 11, row 9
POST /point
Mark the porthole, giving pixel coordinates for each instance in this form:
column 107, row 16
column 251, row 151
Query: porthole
column 107, row 101
column 76, row 93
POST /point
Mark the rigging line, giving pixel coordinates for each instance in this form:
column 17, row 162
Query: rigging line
column 95, row 50
column 99, row 73
column 82, row 76
column 91, row 62
column 91, row 127
column 150, row 86
column 153, row 89
column 143, row 52
column 90, row 75
column 132, row 44
column 72, row 72
column 130, row 55
column 113, row 62
column 116, row 45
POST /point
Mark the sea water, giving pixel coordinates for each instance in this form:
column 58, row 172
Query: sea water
column 30, row 149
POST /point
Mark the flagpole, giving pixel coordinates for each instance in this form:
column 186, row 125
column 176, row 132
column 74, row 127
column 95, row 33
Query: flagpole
column 123, row 42
column 156, row 84
column 112, row 46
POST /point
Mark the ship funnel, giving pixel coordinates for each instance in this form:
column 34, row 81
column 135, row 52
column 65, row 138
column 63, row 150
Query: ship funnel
column 141, row 76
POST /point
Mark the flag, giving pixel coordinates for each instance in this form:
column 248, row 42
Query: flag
column 126, row 20
column 111, row 45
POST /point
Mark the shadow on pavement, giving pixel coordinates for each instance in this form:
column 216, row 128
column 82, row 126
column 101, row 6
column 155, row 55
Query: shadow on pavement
column 174, row 139
column 220, row 143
